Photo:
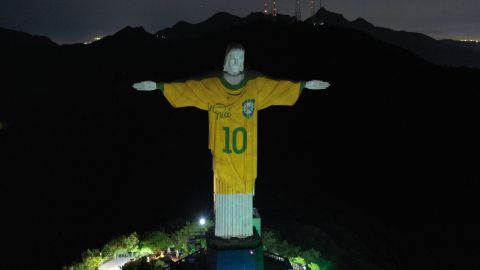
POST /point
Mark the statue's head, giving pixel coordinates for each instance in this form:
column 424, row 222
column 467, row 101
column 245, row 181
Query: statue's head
column 234, row 57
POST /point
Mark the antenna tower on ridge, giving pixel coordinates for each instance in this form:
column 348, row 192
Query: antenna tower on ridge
column 312, row 7
column 298, row 14
column 274, row 7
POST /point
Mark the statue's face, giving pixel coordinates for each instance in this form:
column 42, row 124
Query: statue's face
column 234, row 62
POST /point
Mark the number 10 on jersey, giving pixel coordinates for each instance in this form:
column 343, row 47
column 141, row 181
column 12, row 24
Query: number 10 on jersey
column 232, row 140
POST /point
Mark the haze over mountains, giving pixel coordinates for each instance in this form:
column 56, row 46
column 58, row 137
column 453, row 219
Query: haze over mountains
column 389, row 153
column 442, row 52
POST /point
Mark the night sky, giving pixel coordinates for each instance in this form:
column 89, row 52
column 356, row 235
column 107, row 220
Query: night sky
column 77, row 21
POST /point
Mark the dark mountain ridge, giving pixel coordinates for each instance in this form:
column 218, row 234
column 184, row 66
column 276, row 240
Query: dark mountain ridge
column 217, row 23
column 182, row 30
column 442, row 52
column 10, row 39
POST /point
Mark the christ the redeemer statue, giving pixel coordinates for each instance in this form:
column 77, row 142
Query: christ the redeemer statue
column 233, row 100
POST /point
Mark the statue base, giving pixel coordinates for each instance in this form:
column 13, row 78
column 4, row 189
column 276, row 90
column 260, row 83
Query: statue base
column 235, row 253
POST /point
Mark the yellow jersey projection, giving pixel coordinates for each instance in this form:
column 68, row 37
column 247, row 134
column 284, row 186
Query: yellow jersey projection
column 233, row 113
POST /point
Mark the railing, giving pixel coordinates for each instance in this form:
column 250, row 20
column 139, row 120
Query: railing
column 107, row 259
column 297, row 266
column 275, row 256
column 280, row 258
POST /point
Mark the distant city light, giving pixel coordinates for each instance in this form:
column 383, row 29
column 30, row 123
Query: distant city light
column 202, row 221
column 470, row 40
column 94, row 39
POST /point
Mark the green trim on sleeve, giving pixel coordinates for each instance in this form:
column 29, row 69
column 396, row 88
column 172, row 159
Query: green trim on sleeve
column 302, row 86
column 160, row 86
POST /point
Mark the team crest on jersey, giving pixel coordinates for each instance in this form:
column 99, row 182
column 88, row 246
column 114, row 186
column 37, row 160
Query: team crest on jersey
column 248, row 108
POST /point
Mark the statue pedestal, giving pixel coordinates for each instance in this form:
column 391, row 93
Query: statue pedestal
column 235, row 254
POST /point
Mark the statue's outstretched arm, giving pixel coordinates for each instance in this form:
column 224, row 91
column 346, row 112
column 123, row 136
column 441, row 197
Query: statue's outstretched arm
column 145, row 86
column 316, row 85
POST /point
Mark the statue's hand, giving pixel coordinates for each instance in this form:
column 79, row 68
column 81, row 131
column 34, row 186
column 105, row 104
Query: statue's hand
column 145, row 86
column 316, row 85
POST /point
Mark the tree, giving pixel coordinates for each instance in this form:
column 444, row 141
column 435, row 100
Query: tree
column 156, row 240
column 313, row 266
column 119, row 246
column 298, row 260
column 131, row 242
column 91, row 259
column 270, row 240
column 311, row 255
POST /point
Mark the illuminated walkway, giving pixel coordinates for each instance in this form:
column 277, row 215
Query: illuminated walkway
column 114, row 264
